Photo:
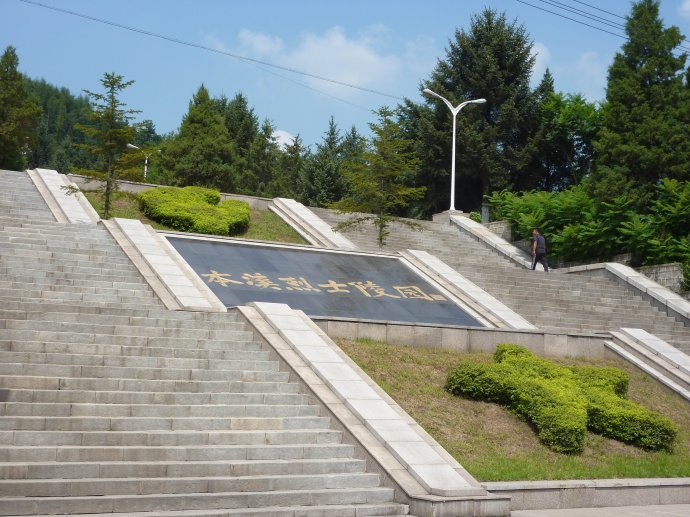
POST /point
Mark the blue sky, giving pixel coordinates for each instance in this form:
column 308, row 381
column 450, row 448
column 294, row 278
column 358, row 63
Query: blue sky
column 383, row 45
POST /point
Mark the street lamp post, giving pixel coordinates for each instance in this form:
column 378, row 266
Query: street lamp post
column 454, row 110
column 146, row 157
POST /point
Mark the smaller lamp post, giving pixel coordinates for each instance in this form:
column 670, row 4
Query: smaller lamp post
column 146, row 157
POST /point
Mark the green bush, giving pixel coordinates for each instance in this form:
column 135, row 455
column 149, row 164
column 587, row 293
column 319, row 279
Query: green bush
column 623, row 420
column 581, row 228
column 562, row 402
column 195, row 209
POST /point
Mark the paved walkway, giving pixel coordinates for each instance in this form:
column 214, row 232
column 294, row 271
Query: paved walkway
column 671, row 510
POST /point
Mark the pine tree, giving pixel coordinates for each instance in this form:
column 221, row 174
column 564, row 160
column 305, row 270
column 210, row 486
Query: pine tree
column 321, row 179
column 109, row 131
column 646, row 119
column 19, row 114
column 493, row 60
column 263, row 160
column 286, row 178
column 202, row 152
column 376, row 180
column 57, row 132
column 561, row 145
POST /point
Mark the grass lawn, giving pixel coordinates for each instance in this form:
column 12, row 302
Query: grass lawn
column 263, row 225
column 496, row 445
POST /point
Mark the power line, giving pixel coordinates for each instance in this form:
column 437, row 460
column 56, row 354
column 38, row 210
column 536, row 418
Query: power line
column 585, row 14
column 568, row 18
column 599, row 9
column 680, row 47
column 211, row 49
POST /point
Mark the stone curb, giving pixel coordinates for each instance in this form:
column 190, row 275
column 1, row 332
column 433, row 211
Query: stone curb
column 422, row 461
column 491, row 239
column 67, row 208
column 461, row 286
column 173, row 272
column 592, row 493
column 309, row 225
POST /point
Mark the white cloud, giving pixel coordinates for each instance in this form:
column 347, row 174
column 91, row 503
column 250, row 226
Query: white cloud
column 590, row 75
column 338, row 57
column 260, row 45
column 283, row 138
column 684, row 9
column 331, row 54
column 542, row 57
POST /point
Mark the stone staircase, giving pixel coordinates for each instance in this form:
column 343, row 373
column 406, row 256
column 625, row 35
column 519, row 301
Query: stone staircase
column 554, row 302
column 109, row 403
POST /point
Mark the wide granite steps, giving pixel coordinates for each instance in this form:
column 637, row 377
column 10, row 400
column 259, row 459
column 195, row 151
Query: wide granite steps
column 205, row 501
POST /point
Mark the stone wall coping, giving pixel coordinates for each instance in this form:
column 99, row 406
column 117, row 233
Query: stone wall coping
column 454, row 280
column 313, row 224
column 491, row 239
column 69, row 208
column 169, row 267
column 579, row 483
column 660, row 348
column 426, row 462
column 593, row 493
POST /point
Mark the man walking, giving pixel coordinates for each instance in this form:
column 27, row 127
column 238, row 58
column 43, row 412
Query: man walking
column 539, row 250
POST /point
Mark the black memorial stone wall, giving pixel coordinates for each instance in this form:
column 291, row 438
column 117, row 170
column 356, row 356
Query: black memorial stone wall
column 321, row 283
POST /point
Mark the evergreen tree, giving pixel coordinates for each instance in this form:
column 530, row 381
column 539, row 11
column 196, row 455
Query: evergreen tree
column 646, row 119
column 19, row 114
column 57, row 133
column 202, row 151
column 264, row 156
column 321, row 179
column 286, row 179
column 376, row 180
column 109, row 130
column 561, row 147
column 493, row 60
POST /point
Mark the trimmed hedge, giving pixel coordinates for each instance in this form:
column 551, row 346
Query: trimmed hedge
column 195, row 209
column 562, row 402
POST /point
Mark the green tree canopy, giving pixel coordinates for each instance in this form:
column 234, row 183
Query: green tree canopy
column 646, row 120
column 377, row 179
column 109, row 130
column 57, row 133
column 492, row 60
column 202, row 152
column 19, row 114
column 321, row 180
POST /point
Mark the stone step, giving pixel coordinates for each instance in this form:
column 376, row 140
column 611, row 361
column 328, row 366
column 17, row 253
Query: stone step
column 132, row 484
column 29, row 423
column 171, row 438
column 169, row 320
column 126, row 340
column 284, row 510
column 60, row 409
column 137, row 361
column 249, row 350
column 194, row 501
column 93, row 471
column 150, row 311
column 37, row 396
column 249, row 385
column 65, row 297
column 61, row 254
column 124, row 373
column 68, row 454
column 156, row 330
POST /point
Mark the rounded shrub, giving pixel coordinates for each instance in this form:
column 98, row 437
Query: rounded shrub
column 195, row 209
